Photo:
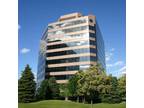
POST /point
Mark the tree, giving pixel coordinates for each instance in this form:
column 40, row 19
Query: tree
column 73, row 86
column 94, row 84
column 48, row 89
column 26, row 86
column 80, row 82
column 54, row 88
column 64, row 91
column 110, row 92
column 44, row 92
column 89, row 81
column 122, row 87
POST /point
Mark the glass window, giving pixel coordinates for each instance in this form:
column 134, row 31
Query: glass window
column 81, row 35
column 68, row 30
column 66, row 24
column 58, row 69
column 68, row 52
column 92, row 28
column 63, row 77
column 70, row 60
column 84, row 67
column 92, row 35
column 91, row 20
column 69, row 44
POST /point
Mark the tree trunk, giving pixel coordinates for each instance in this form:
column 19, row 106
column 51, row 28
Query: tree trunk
column 91, row 103
column 84, row 99
column 78, row 99
column 66, row 98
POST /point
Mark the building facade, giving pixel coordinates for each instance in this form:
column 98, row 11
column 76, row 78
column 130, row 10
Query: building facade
column 72, row 43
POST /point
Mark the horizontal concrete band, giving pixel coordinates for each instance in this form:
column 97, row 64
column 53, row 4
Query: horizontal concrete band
column 91, row 31
column 71, row 56
column 65, row 21
column 62, row 73
column 91, row 24
column 71, row 40
column 61, row 81
column 71, row 64
column 71, row 48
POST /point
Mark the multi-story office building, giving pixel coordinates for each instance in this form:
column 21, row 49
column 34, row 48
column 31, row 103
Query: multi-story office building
column 72, row 43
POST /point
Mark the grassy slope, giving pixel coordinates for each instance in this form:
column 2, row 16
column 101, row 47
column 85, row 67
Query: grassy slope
column 64, row 104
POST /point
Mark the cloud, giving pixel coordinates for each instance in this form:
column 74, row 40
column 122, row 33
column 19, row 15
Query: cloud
column 124, row 72
column 109, row 54
column 118, row 63
column 24, row 50
column 112, row 49
column 35, row 75
column 19, row 27
column 120, row 71
column 114, row 65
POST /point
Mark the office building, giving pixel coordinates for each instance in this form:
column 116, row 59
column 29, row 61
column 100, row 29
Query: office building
column 72, row 43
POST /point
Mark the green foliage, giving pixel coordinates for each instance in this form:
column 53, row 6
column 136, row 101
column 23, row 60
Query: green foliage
column 72, row 85
column 48, row 89
column 44, row 91
column 95, row 85
column 88, row 84
column 111, row 98
column 110, row 86
column 80, row 83
column 54, row 88
column 122, row 87
column 26, row 86
column 64, row 91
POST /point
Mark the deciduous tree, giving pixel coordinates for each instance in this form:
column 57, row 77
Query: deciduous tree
column 122, row 87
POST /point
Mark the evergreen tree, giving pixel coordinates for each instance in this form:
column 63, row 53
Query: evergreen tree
column 26, row 86
column 44, row 92
column 48, row 89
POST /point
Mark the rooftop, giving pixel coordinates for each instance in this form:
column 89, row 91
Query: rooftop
column 69, row 16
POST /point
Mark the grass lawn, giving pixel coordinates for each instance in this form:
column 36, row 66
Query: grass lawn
column 67, row 104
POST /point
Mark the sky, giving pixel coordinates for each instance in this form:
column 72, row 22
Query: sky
column 34, row 16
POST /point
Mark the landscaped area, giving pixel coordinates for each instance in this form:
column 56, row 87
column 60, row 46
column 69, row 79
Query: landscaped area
column 89, row 89
column 68, row 104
